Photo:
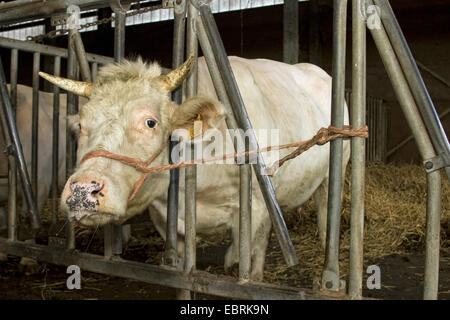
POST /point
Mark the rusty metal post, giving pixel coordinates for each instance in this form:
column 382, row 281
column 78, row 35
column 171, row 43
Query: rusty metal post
column 35, row 125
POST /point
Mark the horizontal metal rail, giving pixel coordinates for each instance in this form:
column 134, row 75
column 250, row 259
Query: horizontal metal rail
column 198, row 281
column 49, row 50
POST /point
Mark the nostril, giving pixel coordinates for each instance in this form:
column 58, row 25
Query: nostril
column 96, row 187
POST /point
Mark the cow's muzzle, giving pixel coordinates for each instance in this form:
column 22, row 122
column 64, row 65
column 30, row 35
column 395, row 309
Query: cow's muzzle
column 85, row 196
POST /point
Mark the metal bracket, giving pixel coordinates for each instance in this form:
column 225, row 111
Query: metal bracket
column 438, row 162
column 117, row 6
column 169, row 3
column 9, row 151
column 59, row 20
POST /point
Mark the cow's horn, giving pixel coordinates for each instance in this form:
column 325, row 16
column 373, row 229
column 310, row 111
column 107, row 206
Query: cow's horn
column 78, row 87
column 175, row 77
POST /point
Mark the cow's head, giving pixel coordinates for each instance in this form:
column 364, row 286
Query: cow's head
column 129, row 113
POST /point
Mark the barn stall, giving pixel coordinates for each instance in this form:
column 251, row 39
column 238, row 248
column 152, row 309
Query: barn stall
column 388, row 39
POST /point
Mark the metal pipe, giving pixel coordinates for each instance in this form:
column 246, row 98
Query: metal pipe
column 35, row 125
column 48, row 50
column 71, row 109
column 330, row 275
column 290, row 31
column 13, row 78
column 411, row 137
column 415, row 81
column 244, row 123
column 433, row 225
column 199, row 281
column 119, row 54
column 434, row 74
column 11, row 13
column 170, row 252
column 424, row 145
column 94, row 70
column 12, row 166
column 8, row 118
column 358, row 150
column 81, row 56
column 190, row 172
column 245, row 171
column 55, row 143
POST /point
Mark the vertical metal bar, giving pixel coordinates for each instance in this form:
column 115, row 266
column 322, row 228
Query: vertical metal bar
column 330, row 275
column 35, row 125
column 170, row 252
column 244, row 123
column 70, row 143
column 415, row 81
column 245, row 222
column 434, row 200
column 115, row 231
column 12, row 166
column 13, row 78
column 55, row 142
column 191, row 172
column 81, row 56
column 245, row 171
column 94, row 70
column 426, row 150
column 358, row 150
column 315, row 53
column 7, row 118
column 290, row 31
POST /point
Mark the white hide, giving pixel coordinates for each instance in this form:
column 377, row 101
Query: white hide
column 293, row 98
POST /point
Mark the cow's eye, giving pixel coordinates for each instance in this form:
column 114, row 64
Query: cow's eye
column 151, row 123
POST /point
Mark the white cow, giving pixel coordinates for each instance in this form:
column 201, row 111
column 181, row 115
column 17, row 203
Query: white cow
column 130, row 113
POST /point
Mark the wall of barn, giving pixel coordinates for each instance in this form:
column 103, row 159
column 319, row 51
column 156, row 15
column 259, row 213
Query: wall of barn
column 257, row 33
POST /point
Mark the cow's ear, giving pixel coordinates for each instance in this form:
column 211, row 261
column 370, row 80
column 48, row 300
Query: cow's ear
column 210, row 112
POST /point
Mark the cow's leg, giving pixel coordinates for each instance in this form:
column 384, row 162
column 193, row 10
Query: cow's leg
column 321, row 201
column 260, row 240
column 232, row 255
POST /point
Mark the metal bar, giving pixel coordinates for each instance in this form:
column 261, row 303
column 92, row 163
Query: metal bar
column 358, row 150
column 43, row 9
column 55, row 143
column 170, row 252
column 35, row 125
column 48, row 50
column 433, row 73
column 13, row 78
column 119, row 53
column 190, row 173
column 245, row 221
column 245, row 171
column 71, row 109
column 7, row 116
column 330, row 275
column 94, row 70
column 81, row 56
column 411, row 137
column 12, row 166
column 424, row 145
column 244, row 123
column 434, row 200
column 290, row 31
column 415, row 81
column 198, row 281
column 315, row 52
